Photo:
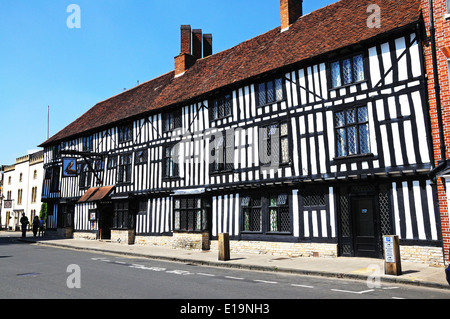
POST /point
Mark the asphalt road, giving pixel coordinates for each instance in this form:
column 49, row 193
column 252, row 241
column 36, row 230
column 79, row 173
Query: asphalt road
column 30, row 271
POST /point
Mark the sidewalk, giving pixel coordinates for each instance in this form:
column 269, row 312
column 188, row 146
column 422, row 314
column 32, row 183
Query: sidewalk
column 341, row 267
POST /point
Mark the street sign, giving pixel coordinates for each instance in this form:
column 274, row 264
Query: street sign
column 69, row 167
column 389, row 254
column 392, row 265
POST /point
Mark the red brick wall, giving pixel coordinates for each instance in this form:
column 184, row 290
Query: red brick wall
column 442, row 27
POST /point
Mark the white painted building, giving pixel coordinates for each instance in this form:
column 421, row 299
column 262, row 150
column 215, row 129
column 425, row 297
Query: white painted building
column 22, row 187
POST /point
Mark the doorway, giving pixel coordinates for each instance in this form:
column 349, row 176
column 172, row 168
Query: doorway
column 105, row 221
column 365, row 235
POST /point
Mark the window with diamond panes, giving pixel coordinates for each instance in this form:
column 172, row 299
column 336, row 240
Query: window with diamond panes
column 251, row 210
column 347, row 71
column 275, row 144
column 270, row 92
column 352, row 132
column 279, row 217
column 125, row 168
column 171, row 161
column 223, row 151
column 220, row 107
column 189, row 214
column 171, row 120
column 125, row 133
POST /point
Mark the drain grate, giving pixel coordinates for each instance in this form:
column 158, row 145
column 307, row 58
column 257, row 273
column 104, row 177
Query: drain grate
column 28, row 275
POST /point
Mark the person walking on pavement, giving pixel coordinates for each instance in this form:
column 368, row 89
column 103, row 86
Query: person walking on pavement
column 24, row 221
column 41, row 227
column 35, row 225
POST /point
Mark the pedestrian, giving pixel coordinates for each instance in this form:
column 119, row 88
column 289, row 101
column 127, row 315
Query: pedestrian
column 35, row 225
column 41, row 227
column 24, row 221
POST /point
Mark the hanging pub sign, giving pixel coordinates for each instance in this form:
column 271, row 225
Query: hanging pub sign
column 7, row 204
column 69, row 167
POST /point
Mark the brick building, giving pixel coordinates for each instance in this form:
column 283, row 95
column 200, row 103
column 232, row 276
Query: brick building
column 438, row 41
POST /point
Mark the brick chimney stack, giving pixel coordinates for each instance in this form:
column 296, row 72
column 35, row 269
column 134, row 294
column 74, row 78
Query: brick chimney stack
column 291, row 10
column 207, row 45
column 192, row 44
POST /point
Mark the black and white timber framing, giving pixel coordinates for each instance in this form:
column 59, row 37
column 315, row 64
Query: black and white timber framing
column 319, row 183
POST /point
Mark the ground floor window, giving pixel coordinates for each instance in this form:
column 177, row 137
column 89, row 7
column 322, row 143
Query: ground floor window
column 190, row 214
column 266, row 213
column 123, row 218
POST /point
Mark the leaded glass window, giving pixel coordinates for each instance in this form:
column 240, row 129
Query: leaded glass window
column 220, row 107
column 124, row 169
column 352, row 132
column 279, row 217
column 270, row 92
column 171, row 120
column 125, row 133
column 223, row 151
column 189, row 214
column 251, row 210
column 170, row 161
column 275, row 144
column 347, row 71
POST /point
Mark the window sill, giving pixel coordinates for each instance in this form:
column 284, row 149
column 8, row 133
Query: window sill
column 272, row 103
column 221, row 118
column 447, row 17
column 225, row 171
column 347, row 85
column 353, row 157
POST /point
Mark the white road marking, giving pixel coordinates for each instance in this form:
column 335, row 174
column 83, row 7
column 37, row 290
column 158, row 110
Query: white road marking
column 266, row 282
column 235, row 278
column 353, row 292
column 302, row 286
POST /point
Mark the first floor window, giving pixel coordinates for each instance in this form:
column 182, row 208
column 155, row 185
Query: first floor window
column 125, row 133
column 347, row 71
column 270, row 92
column 189, row 214
column 220, row 107
column 171, row 161
column 352, row 132
column 223, row 151
column 124, row 169
column 275, row 147
column 171, row 120
column 85, row 175
column 448, row 7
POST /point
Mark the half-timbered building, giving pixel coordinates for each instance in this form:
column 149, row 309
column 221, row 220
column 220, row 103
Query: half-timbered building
column 312, row 139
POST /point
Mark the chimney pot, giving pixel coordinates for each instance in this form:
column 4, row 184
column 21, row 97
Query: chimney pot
column 186, row 39
column 197, row 43
column 207, row 45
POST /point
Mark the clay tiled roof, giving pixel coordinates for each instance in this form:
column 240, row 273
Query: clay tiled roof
column 333, row 27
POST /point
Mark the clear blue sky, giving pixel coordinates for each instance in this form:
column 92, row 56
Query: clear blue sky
column 120, row 42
